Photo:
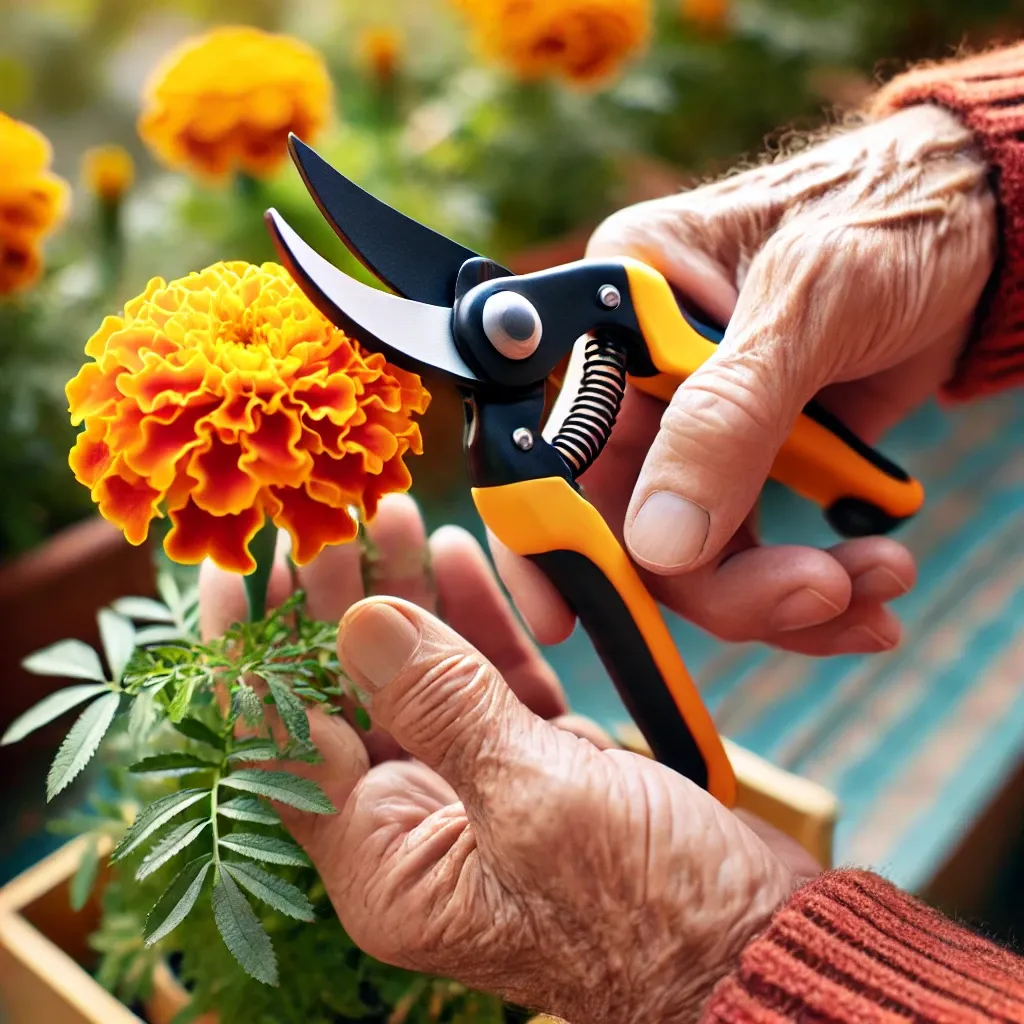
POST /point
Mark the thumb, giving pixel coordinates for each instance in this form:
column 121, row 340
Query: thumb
column 438, row 697
column 726, row 423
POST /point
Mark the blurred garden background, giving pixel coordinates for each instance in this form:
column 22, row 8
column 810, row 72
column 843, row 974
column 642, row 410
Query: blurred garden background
column 500, row 125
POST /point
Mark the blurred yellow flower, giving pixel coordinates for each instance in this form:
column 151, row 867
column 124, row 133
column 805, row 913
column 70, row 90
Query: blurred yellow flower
column 710, row 15
column 583, row 41
column 225, row 398
column 108, row 172
column 381, row 51
column 32, row 202
column 226, row 101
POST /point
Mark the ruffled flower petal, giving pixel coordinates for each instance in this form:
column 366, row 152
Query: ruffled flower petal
column 225, row 397
column 197, row 535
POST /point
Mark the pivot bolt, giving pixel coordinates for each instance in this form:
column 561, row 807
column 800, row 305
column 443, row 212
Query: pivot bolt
column 522, row 439
column 512, row 325
column 609, row 297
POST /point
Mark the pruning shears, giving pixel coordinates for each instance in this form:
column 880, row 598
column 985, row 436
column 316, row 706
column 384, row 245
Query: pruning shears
column 497, row 337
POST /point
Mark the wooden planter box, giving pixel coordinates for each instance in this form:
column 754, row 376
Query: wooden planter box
column 45, row 955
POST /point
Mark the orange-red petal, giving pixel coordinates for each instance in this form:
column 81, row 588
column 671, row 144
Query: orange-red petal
column 197, row 535
column 128, row 502
column 91, row 457
column 312, row 525
column 223, row 487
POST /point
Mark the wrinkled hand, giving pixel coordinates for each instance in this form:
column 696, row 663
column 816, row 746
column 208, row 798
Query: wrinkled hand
column 850, row 272
column 484, row 835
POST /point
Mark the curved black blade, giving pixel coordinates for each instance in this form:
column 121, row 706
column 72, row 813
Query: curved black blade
column 410, row 258
column 414, row 335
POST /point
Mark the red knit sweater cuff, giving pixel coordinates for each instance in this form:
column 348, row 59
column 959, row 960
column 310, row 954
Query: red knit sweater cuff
column 849, row 948
column 987, row 93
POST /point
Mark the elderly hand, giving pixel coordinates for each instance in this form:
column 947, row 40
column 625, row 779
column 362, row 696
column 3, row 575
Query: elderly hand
column 487, row 837
column 850, row 272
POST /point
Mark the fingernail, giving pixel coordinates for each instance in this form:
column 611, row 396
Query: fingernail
column 802, row 609
column 865, row 640
column 669, row 532
column 377, row 642
column 879, row 584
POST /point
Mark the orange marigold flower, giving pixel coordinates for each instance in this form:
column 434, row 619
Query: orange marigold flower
column 584, row 41
column 710, row 15
column 381, row 51
column 108, row 172
column 226, row 101
column 32, row 202
column 226, row 397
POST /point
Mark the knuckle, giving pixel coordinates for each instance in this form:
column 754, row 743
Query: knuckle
column 736, row 395
column 443, row 701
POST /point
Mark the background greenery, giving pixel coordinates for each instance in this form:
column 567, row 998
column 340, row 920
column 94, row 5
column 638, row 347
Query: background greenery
column 501, row 165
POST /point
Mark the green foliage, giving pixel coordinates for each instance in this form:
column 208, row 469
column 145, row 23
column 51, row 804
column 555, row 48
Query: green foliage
column 202, row 870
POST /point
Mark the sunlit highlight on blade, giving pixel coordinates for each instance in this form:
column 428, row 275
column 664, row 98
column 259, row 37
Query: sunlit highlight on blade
column 413, row 335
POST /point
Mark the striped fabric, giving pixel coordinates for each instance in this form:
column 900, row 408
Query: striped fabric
column 851, row 949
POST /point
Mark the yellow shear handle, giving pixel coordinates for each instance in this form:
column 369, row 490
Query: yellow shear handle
column 814, row 462
column 550, row 523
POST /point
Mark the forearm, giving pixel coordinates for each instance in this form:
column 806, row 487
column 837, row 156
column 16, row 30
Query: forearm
column 849, row 948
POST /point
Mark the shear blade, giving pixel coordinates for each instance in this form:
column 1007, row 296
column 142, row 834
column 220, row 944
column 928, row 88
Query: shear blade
column 410, row 258
column 415, row 335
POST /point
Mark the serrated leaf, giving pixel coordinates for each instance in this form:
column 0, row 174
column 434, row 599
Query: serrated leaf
column 152, row 635
column 117, row 635
column 172, row 762
column 81, row 742
column 269, row 849
column 179, row 705
column 142, row 717
column 291, row 709
column 142, row 609
column 198, row 731
column 85, row 876
column 302, row 794
column 49, row 708
column 155, row 816
column 177, row 900
column 274, row 891
column 170, row 846
column 263, row 750
column 70, row 658
column 246, row 704
column 241, row 930
column 247, row 808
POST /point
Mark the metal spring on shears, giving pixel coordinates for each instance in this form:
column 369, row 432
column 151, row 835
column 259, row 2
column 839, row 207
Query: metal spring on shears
column 589, row 422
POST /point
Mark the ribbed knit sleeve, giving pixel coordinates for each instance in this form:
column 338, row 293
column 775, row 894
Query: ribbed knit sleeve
column 849, row 948
column 987, row 93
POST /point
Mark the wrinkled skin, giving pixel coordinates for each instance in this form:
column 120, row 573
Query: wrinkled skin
column 850, row 271
column 486, row 835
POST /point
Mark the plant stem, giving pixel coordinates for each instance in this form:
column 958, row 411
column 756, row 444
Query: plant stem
column 262, row 546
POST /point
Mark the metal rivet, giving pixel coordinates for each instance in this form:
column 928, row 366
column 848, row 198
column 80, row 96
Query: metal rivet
column 522, row 439
column 609, row 297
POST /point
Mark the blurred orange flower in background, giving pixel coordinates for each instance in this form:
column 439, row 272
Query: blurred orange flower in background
column 709, row 15
column 226, row 101
column 380, row 49
column 226, row 397
column 107, row 172
column 32, row 202
column 584, row 41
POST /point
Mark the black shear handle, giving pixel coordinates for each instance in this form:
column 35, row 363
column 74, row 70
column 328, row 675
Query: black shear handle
column 550, row 523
